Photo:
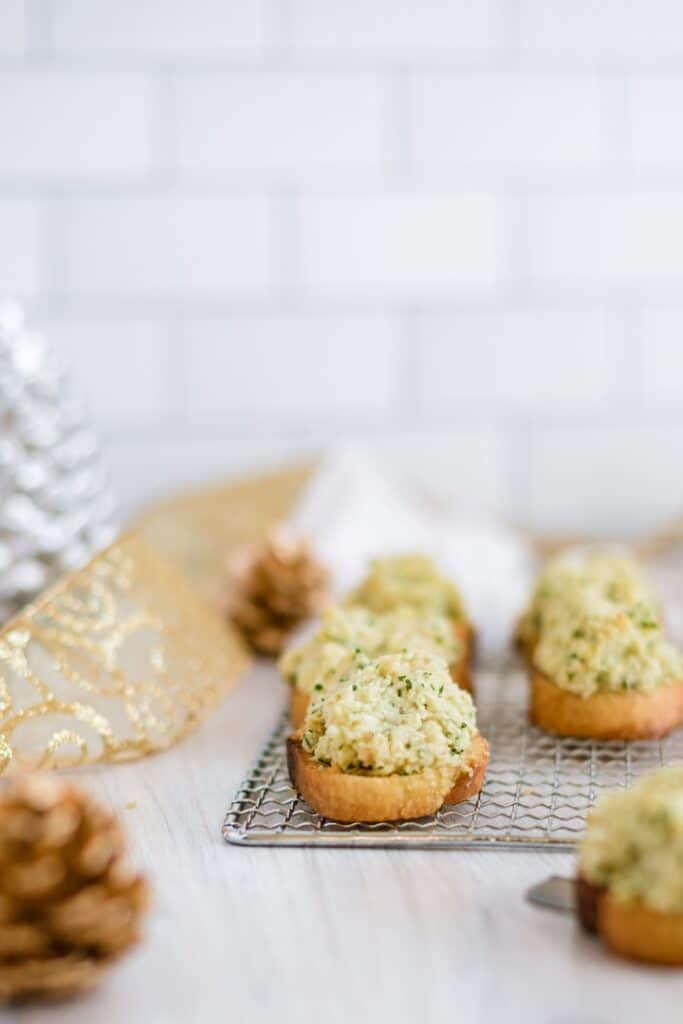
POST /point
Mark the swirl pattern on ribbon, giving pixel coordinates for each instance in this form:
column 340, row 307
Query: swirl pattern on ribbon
column 119, row 660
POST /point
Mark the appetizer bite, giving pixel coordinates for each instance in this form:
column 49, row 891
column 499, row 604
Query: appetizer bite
column 413, row 581
column 578, row 577
column 394, row 738
column 599, row 663
column 349, row 637
column 346, row 636
column 630, row 881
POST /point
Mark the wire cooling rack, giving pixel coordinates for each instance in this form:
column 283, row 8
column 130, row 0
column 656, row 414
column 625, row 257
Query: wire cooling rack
column 537, row 791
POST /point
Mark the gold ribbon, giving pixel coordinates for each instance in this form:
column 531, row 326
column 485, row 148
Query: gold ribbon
column 198, row 530
column 126, row 656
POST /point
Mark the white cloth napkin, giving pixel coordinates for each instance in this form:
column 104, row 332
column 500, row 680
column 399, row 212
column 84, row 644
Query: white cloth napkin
column 353, row 510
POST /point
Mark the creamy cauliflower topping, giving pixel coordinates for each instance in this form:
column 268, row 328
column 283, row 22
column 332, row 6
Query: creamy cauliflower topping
column 407, row 630
column 408, row 580
column 606, row 652
column 350, row 636
column 347, row 637
column 595, row 627
column 598, row 580
column 634, row 842
column 397, row 715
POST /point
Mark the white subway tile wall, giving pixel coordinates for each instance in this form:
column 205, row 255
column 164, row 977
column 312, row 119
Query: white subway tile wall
column 161, row 249
column 590, row 458
column 157, row 28
column 452, row 231
column 508, row 122
column 403, row 245
column 494, row 361
column 290, row 366
column 269, row 125
column 73, row 126
column 393, row 28
column 124, row 365
column 22, row 248
column 14, row 28
column 638, row 30
column 628, row 240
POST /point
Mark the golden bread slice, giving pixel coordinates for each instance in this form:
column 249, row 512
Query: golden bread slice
column 462, row 669
column 605, row 716
column 632, row 930
column 351, row 796
column 298, row 706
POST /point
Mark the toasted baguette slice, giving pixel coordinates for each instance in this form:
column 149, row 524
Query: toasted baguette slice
column 523, row 645
column 346, row 796
column 605, row 716
column 586, row 897
column 632, row 930
column 469, row 777
column 462, row 669
column 298, row 706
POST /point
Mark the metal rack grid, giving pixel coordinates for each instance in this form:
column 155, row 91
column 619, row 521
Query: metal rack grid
column 537, row 791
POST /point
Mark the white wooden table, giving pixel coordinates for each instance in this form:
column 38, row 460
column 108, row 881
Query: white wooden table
column 282, row 934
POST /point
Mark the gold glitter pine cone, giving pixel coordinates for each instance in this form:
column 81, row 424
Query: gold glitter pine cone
column 276, row 585
column 69, row 905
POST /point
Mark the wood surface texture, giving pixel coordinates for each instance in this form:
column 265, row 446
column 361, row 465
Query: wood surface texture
column 244, row 935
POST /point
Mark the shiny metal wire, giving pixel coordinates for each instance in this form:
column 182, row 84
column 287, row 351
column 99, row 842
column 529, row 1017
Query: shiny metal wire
column 537, row 792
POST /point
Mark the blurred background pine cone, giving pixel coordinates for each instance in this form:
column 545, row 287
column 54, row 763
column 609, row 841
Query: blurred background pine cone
column 68, row 903
column 275, row 586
